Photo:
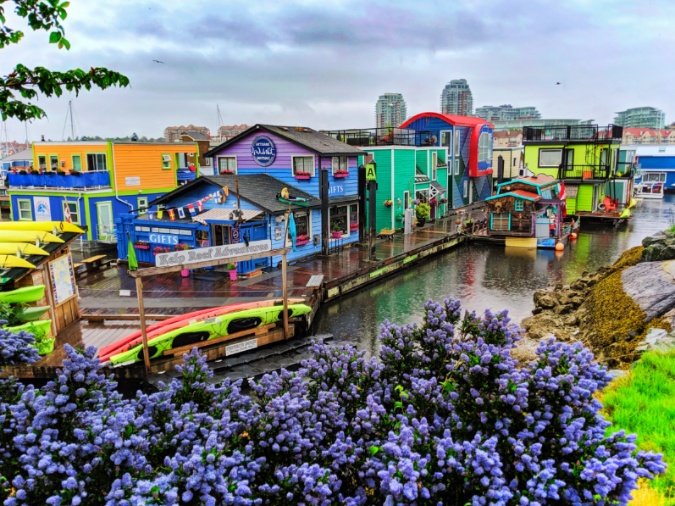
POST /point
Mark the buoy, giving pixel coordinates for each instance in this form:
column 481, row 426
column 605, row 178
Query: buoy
column 559, row 246
column 573, row 236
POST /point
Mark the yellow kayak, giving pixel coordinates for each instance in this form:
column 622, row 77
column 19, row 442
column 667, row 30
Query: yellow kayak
column 23, row 248
column 9, row 261
column 41, row 226
column 28, row 236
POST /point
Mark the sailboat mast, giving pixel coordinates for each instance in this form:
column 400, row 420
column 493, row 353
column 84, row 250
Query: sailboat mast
column 70, row 110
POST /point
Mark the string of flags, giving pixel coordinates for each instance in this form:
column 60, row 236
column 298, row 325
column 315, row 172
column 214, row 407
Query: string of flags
column 192, row 209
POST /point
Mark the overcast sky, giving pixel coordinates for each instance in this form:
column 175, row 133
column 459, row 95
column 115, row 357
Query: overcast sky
column 323, row 64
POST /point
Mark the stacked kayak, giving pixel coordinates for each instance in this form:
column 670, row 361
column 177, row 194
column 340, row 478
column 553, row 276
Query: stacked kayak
column 12, row 261
column 199, row 329
column 43, row 226
column 32, row 236
column 21, row 248
column 23, row 295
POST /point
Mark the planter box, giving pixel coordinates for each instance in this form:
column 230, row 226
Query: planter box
column 301, row 242
column 340, row 174
column 336, row 235
column 302, row 176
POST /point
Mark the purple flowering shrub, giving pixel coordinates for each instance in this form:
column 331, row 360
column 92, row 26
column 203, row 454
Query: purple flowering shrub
column 444, row 416
column 17, row 347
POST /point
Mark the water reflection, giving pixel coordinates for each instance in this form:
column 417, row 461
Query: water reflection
column 485, row 276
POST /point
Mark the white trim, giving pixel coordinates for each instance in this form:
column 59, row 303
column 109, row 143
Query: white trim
column 30, row 209
column 226, row 157
column 293, row 157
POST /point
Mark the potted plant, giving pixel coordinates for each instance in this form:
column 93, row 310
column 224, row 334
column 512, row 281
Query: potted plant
column 232, row 270
column 422, row 211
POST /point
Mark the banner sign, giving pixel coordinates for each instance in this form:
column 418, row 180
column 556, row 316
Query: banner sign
column 263, row 150
column 43, row 210
column 193, row 256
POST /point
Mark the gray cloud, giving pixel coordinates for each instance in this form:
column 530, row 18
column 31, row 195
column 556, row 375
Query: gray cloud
column 323, row 64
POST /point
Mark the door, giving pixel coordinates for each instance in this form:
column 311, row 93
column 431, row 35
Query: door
column 105, row 224
column 77, row 163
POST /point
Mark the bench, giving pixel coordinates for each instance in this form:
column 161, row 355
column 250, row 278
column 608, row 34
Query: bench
column 387, row 233
column 92, row 264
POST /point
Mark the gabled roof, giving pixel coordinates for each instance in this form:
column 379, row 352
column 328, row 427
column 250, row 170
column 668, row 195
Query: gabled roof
column 517, row 193
column 26, row 154
column 196, row 136
column 259, row 189
column 321, row 144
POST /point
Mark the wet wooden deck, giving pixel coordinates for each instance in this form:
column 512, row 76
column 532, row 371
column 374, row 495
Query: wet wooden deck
column 113, row 292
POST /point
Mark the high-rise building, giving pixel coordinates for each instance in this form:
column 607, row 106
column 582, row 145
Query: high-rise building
column 648, row 117
column 507, row 112
column 390, row 110
column 457, row 98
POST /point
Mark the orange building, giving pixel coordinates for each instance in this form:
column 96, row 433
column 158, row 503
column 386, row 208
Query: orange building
column 92, row 183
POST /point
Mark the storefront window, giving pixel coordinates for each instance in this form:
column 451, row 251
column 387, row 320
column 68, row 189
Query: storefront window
column 302, row 227
column 353, row 217
column 338, row 221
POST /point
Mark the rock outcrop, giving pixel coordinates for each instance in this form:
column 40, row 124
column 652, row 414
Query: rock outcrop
column 617, row 311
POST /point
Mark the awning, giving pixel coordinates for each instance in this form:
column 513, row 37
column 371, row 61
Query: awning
column 436, row 189
column 225, row 214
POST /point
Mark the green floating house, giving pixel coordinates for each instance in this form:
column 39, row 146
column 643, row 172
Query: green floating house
column 598, row 175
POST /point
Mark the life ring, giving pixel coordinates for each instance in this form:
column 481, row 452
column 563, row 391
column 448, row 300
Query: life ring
column 601, row 207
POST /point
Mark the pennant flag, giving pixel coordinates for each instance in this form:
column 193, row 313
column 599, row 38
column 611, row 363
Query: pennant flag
column 171, row 214
column 181, row 212
column 200, row 205
column 191, row 209
column 151, row 215
column 160, row 213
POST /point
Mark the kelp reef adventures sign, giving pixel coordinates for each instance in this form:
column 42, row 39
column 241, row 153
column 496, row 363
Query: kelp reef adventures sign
column 194, row 256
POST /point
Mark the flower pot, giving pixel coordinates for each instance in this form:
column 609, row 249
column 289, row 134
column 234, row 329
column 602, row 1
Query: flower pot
column 233, row 274
column 185, row 273
column 336, row 235
column 421, row 222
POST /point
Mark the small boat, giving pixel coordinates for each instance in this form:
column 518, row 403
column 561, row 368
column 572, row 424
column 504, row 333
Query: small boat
column 180, row 321
column 42, row 226
column 31, row 313
column 210, row 328
column 33, row 236
column 23, row 295
column 294, row 201
column 23, row 248
column 12, row 261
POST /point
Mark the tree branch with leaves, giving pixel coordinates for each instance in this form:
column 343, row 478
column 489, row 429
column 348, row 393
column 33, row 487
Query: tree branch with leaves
column 23, row 84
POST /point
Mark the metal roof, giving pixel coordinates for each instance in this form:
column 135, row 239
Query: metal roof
column 311, row 139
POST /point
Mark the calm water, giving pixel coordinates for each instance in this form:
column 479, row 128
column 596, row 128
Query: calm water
column 486, row 276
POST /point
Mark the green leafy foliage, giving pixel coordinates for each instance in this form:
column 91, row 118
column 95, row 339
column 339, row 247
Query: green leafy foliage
column 24, row 84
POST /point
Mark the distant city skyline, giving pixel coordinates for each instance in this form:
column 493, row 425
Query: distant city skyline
column 324, row 64
column 648, row 117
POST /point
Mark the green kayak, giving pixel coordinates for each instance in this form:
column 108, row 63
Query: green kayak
column 31, row 313
column 211, row 328
column 23, row 294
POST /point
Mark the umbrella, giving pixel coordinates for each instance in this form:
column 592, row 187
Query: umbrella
column 131, row 256
column 291, row 229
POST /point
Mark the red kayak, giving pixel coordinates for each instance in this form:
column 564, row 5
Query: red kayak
column 162, row 327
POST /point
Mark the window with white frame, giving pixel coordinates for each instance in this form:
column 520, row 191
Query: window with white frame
column 74, row 209
column 302, row 227
column 303, row 166
column 42, row 162
column 484, row 147
column 166, row 161
column 446, row 138
column 456, row 152
column 550, row 157
column 227, row 164
column 434, row 166
column 25, row 209
column 340, row 164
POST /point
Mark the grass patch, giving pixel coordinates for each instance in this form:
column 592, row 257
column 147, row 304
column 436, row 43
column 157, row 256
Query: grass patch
column 643, row 402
